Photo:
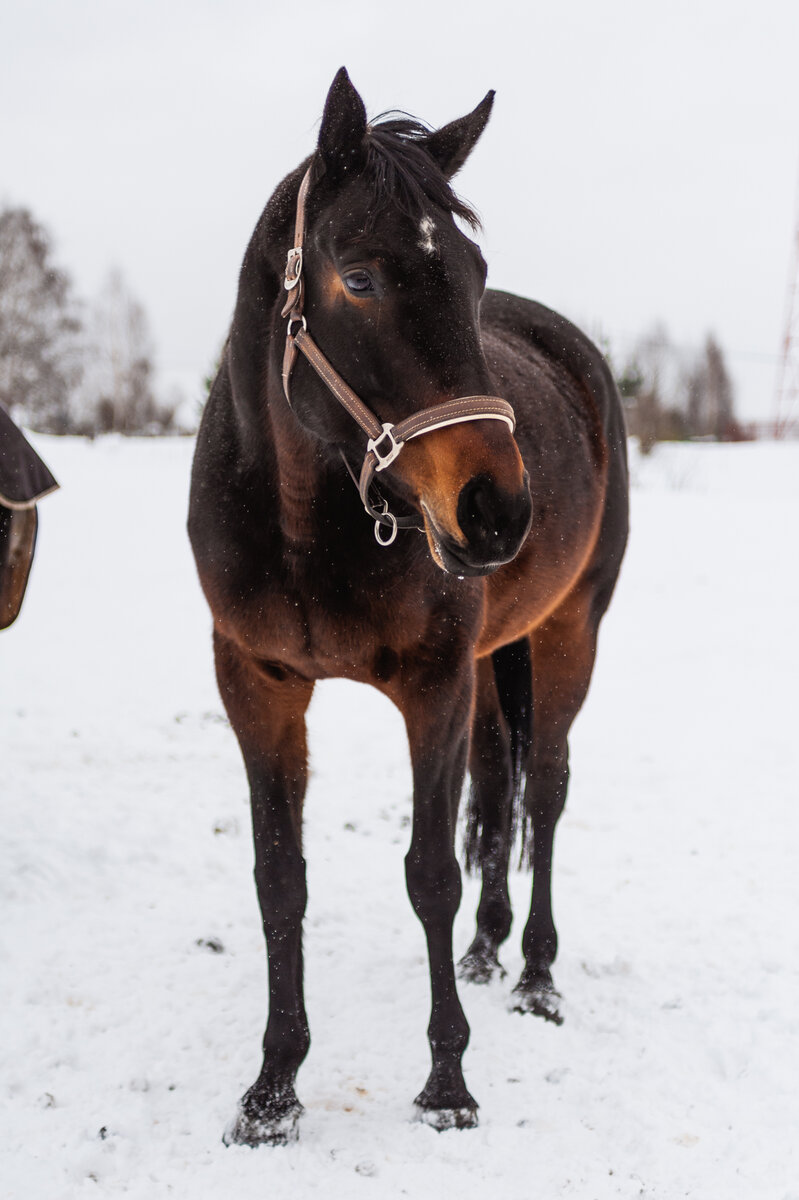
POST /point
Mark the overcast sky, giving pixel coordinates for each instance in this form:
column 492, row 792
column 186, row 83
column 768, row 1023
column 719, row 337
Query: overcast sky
column 641, row 161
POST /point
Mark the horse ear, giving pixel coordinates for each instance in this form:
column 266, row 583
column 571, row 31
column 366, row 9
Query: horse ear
column 341, row 136
column 451, row 145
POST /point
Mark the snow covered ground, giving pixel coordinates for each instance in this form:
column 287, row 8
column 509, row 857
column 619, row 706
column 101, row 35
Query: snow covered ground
column 132, row 960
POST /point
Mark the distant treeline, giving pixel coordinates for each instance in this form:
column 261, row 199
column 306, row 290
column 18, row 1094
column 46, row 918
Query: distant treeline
column 71, row 367
column 67, row 366
column 667, row 398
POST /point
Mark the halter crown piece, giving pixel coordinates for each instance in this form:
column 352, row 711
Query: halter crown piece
column 384, row 440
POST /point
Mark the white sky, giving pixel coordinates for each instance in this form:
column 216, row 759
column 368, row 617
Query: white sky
column 641, row 161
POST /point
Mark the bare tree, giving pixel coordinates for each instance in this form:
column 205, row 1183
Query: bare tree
column 710, row 398
column 40, row 350
column 647, row 384
column 666, row 399
column 122, row 372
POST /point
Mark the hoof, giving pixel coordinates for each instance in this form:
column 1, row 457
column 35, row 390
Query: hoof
column 538, row 995
column 254, row 1126
column 480, row 966
column 447, row 1118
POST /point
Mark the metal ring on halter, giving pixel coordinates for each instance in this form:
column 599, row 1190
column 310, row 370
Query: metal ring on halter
column 386, row 541
column 302, row 321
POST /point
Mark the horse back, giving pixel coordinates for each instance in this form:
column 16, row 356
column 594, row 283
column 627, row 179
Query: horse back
column 550, row 337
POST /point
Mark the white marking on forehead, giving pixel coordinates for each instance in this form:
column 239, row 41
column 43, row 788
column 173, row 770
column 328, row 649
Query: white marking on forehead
column 426, row 228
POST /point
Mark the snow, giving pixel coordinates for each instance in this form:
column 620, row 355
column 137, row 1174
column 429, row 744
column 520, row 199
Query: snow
column 133, row 966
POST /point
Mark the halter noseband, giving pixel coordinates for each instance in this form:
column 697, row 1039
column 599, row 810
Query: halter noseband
column 384, row 440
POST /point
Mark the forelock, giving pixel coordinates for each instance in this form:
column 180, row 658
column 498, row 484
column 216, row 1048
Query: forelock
column 404, row 175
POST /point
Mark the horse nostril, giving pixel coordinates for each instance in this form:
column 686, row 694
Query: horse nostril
column 492, row 520
column 479, row 509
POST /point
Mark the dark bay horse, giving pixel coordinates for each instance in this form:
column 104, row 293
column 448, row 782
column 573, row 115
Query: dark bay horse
column 368, row 368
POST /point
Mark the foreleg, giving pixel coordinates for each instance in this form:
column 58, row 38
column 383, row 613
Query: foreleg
column 437, row 720
column 267, row 705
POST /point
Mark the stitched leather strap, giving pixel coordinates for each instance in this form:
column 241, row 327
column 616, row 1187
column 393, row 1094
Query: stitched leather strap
column 293, row 276
column 341, row 390
column 451, row 412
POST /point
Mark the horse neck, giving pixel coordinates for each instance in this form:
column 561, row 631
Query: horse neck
column 301, row 471
column 300, row 459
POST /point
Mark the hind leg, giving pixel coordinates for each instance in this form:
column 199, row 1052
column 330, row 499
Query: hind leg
column 489, row 840
column 563, row 658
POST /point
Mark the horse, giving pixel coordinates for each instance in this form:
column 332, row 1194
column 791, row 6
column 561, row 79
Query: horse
column 367, row 370
column 24, row 481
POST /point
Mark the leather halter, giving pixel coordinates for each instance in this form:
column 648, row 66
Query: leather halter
column 384, row 440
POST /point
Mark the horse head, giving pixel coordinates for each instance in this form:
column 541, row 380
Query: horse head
column 391, row 290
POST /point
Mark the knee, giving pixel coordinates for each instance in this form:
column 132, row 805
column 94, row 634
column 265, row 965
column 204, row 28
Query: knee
column 434, row 887
column 282, row 888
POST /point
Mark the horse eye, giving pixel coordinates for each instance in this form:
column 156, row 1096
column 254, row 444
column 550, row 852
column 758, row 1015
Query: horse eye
column 359, row 282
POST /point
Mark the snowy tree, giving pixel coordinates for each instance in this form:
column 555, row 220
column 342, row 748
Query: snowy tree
column 59, row 374
column 669, row 399
column 655, row 356
column 40, row 349
column 120, row 381
column 710, row 400
column 650, row 387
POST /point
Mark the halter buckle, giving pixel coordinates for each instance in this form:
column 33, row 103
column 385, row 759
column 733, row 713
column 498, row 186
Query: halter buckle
column 293, row 268
column 384, row 460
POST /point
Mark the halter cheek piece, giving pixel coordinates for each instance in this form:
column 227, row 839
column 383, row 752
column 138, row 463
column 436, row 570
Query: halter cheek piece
column 384, row 440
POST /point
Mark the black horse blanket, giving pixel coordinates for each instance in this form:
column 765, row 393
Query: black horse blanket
column 24, row 480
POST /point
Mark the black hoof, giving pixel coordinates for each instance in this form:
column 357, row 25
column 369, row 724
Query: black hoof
column 446, row 1103
column 441, row 1119
column 536, row 993
column 261, row 1123
column 480, row 966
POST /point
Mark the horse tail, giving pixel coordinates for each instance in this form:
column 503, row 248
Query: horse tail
column 513, row 673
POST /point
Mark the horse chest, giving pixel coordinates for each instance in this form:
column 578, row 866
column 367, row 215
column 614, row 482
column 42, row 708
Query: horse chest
column 324, row 624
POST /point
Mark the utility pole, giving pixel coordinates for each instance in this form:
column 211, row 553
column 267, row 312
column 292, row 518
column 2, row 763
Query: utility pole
column 786, row 404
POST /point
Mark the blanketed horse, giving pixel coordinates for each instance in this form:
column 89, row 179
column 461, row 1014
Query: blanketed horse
column 368, row 368
column 24, row 481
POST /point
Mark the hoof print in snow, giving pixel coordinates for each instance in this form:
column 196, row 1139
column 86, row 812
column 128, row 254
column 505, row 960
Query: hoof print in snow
column 538, row 996
column 480, row 966
column 260, row 1129
column 442, row 1119
column 213, row 945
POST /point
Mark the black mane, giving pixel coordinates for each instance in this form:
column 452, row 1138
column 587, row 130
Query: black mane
column 404, row 174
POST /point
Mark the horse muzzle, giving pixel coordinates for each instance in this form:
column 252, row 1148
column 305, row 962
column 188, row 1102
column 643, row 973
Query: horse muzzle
column 493, row 523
